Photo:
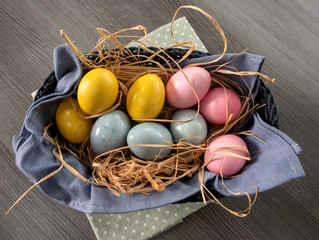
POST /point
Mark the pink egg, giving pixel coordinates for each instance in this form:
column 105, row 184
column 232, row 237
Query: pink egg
column 214, row 108
column 222, row 163
column 179, row 92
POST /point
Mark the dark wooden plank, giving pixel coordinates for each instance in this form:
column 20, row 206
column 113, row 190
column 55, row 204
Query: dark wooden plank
column 286, row 32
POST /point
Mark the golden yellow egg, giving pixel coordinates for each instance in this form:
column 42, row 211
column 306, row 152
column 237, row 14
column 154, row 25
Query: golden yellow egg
column 146, row 97
column 97, row 91
column 70, row 121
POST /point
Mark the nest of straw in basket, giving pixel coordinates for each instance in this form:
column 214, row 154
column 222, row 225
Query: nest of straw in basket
column 119, row 170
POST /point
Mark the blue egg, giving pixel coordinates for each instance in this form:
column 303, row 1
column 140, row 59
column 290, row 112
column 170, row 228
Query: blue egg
column 149, row 133
column 193, row 131
column 110, row 131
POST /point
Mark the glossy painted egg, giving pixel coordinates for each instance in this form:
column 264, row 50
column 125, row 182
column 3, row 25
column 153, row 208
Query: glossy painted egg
column 70, row 121
column 217, row 152
column 97, row 91
column 110, row 131
column 179, row 92
column 219, row 104
column 149, row 133
column 193, row 131
column 146, row 97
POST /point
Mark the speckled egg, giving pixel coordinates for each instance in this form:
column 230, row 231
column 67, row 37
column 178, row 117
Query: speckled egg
column 110, row 131
column 193, row 131
column 149, row 133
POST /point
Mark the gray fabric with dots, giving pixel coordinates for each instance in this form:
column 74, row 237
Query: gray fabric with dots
column 141, row 224
column 182, row 32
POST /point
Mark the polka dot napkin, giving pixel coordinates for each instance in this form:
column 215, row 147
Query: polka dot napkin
column 182, row 32
column 141, row 224
column 148, row 223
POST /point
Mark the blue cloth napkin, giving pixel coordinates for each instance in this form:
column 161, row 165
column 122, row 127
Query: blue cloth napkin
column 275, row 163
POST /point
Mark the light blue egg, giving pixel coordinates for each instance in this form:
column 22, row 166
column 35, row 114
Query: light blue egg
column 194, row 131
column 110, row 131
column 149, row 133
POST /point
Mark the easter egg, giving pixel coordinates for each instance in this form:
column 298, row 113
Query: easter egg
column 146, row 97
column 109, row 131
column 149, row 133
column 179, row 92
column 217, row 152
column 70, row 121
column 193, row 131
column 97, row 91
column 219, row 104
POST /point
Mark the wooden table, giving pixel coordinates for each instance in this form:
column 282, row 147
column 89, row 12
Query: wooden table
column 285, row 31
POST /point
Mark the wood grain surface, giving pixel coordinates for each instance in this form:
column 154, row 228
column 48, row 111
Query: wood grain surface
column 285, row 31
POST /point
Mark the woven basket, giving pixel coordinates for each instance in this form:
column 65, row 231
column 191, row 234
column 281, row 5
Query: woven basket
column 269, row 113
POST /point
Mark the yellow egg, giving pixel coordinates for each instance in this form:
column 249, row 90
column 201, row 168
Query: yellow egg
column 70, row 121
column 146, row 97
column 97, row 91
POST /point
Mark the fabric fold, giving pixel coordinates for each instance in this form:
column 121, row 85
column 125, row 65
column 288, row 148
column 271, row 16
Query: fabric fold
column 276, row 164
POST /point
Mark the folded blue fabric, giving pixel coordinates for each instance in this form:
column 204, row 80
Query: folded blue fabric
column 275, row 163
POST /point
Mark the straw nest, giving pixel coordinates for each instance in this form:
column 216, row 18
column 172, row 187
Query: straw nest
column 119, row 170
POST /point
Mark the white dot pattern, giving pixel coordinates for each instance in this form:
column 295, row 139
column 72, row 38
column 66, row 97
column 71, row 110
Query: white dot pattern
column 141, row 224
column 182, row 32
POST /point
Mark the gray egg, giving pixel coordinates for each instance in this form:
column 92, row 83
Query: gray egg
column 110, row 131
column 149, row 133
column 194, row 131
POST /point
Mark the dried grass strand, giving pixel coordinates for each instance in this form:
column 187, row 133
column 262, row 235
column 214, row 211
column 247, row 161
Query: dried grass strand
column 34, row 185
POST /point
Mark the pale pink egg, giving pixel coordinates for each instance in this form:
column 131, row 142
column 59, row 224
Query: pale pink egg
column 179, row 92
column 220, row 162
column 216, row 109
